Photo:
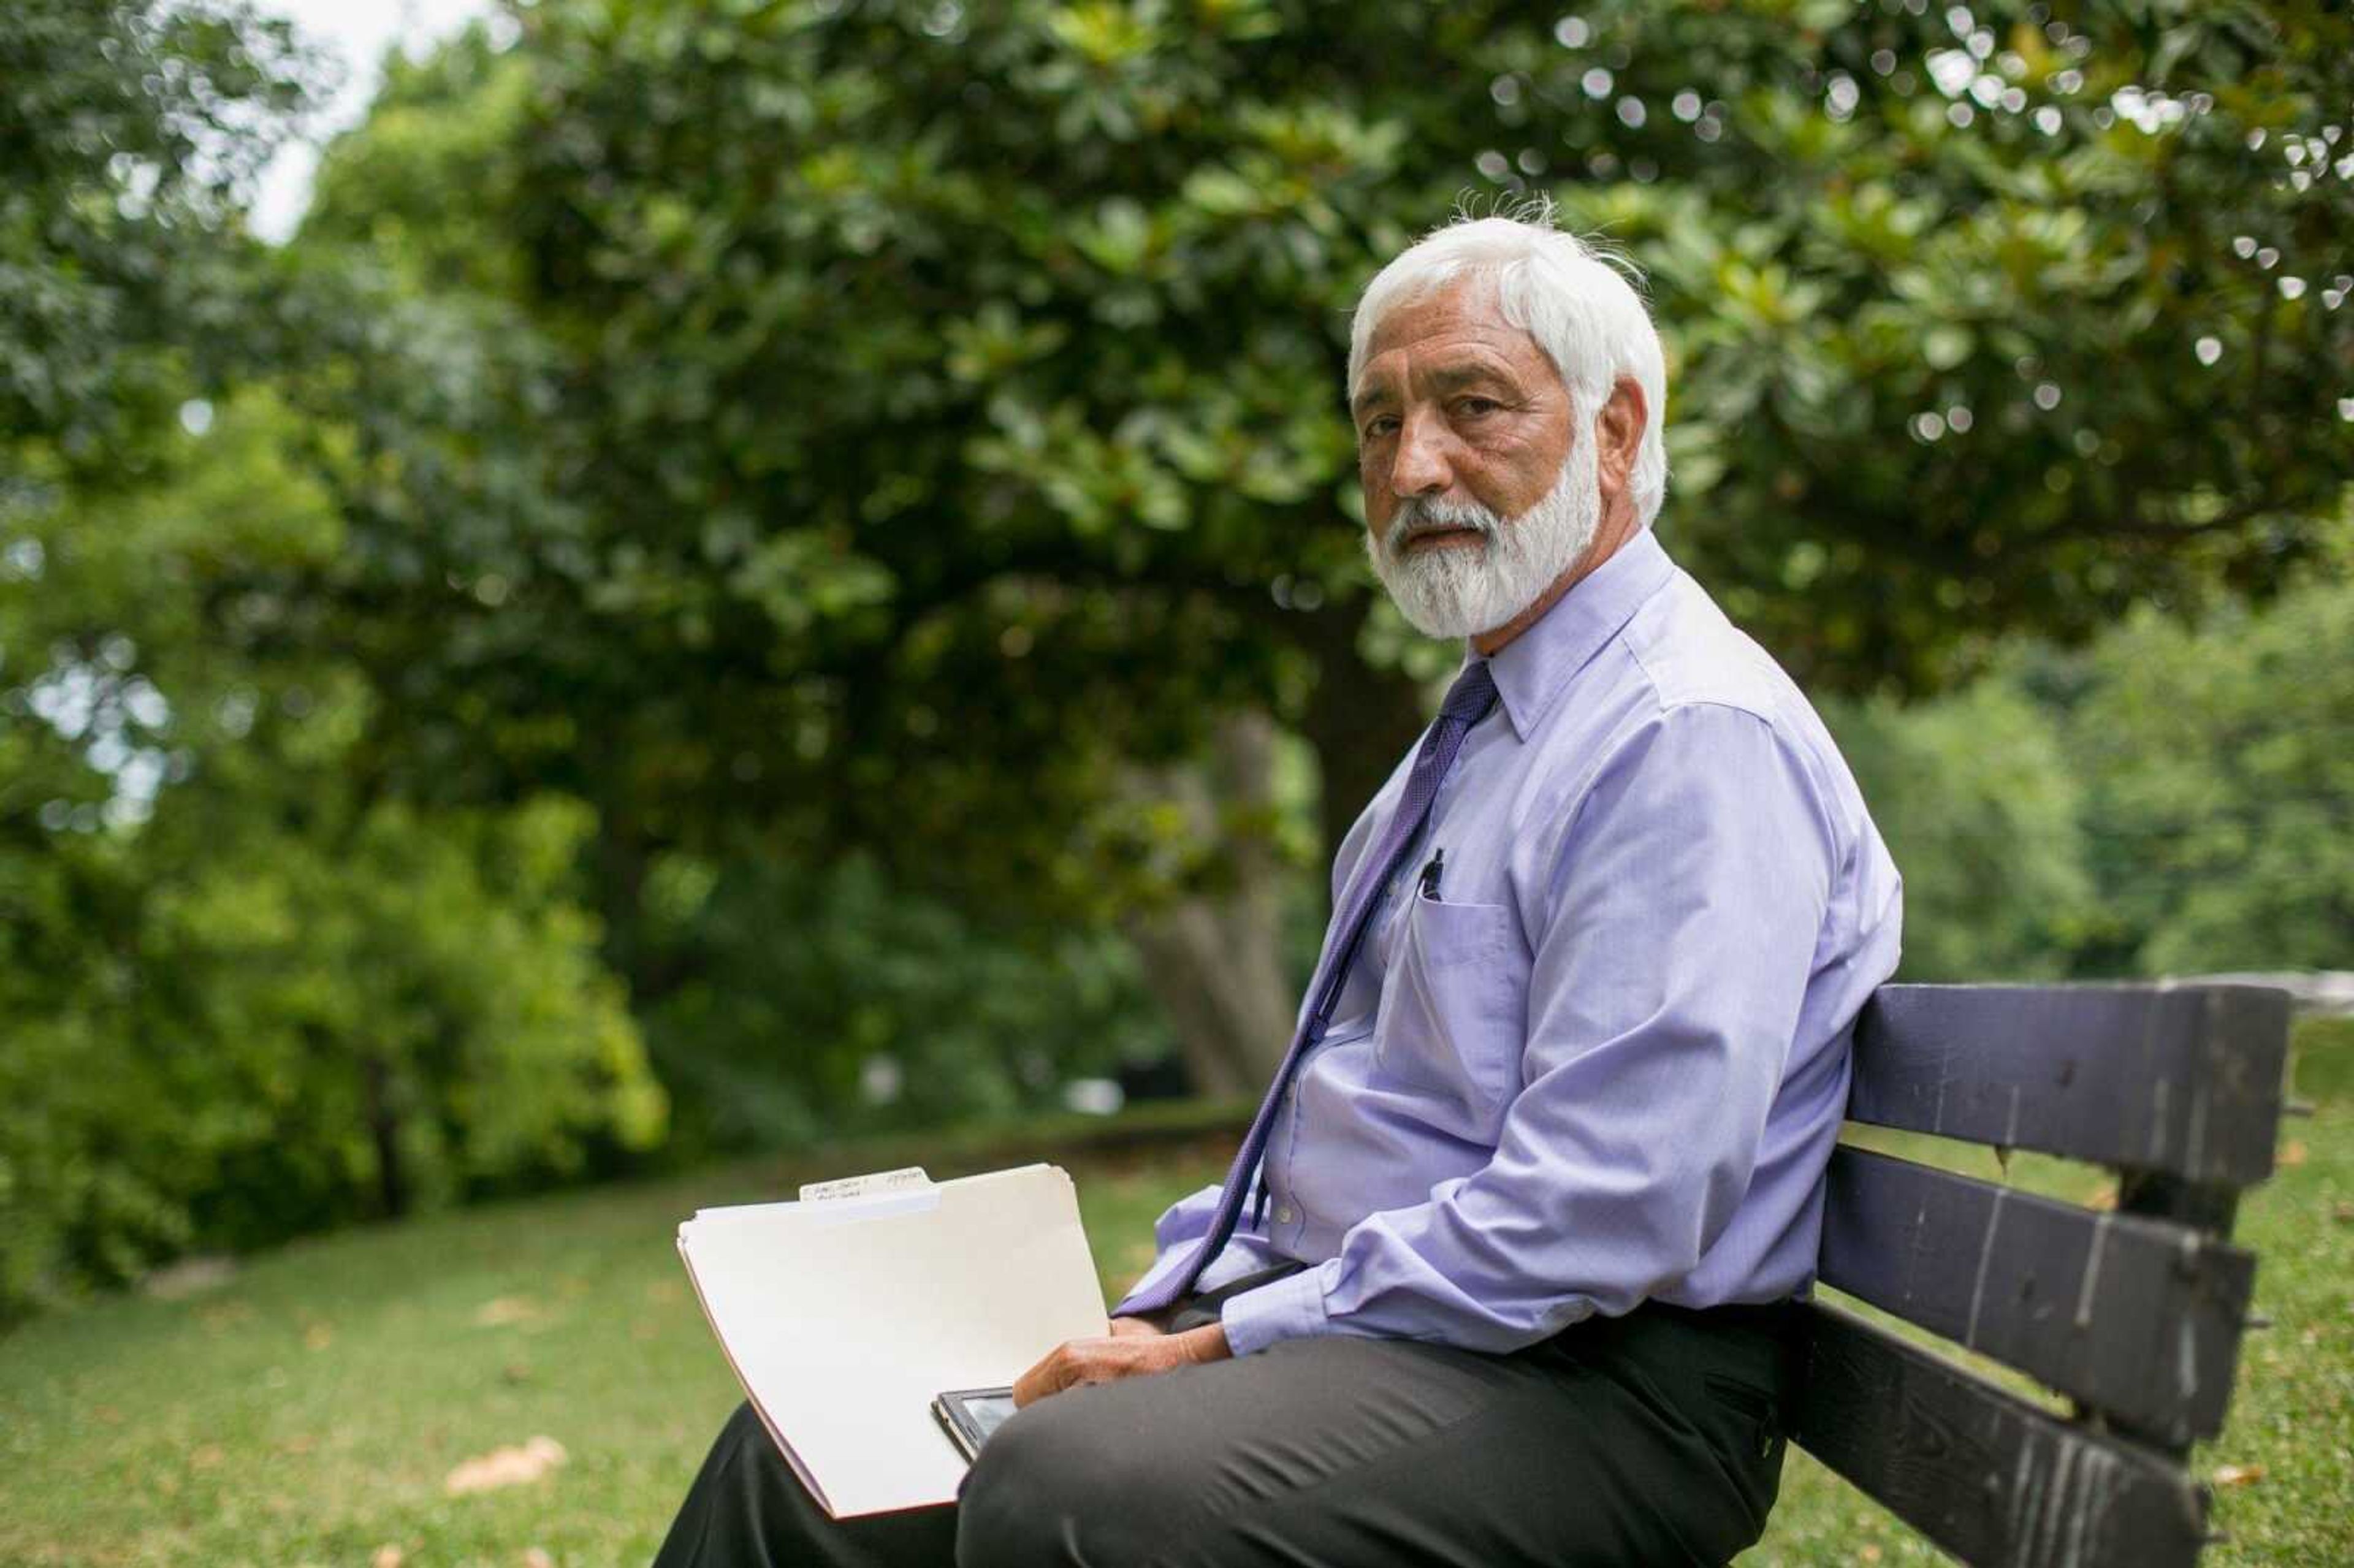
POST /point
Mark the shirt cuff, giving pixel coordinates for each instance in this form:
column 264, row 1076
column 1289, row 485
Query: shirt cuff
column 1291, row 1308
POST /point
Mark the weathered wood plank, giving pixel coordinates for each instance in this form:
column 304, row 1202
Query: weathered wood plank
column 2135, row 1317
column 2179, row 1079
column 1985, row 1475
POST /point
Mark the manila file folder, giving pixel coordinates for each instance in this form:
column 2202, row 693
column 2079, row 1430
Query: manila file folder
column 845, row 1315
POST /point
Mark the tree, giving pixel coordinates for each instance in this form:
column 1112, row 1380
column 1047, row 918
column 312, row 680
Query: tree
column 821, row 1002
column 247, row 992
column 2220, row 806
column 887, row 449
column 129, row 133
column 2172, row 798
column 938, row 408
column 1974, row 793
column 247, row 995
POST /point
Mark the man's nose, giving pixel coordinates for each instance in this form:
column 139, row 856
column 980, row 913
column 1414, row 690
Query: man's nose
column 1420, row 467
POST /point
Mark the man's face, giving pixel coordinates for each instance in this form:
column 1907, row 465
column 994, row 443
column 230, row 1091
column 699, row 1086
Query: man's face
column 1463, row 427
column 1457, row 404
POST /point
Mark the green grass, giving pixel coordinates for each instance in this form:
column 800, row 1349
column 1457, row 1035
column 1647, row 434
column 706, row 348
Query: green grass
column 307, row 1410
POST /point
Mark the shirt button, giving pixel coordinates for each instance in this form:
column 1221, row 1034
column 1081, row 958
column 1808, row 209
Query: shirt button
column 1283, row 1212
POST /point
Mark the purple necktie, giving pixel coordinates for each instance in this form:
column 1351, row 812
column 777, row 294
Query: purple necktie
column 1466, row 701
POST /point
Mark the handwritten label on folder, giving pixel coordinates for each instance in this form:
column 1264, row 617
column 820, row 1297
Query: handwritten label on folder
column 881, row 1184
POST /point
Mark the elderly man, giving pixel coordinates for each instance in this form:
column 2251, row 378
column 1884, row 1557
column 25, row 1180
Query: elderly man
column 1502, row 1273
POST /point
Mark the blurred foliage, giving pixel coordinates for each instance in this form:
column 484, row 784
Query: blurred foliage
column 289, row 997
column 2220, row 812
column 284, row 1000
column 803, row 1003
column 127, row 134
column 896, row 363
column 1976, row 796
column 2170, row 799
column 929, row 414
column 703, row 566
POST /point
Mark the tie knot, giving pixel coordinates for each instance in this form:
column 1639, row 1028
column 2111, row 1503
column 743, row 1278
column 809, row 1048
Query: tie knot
column 1467, row 698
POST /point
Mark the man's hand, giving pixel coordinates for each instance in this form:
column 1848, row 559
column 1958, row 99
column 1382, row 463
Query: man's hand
column 1134, row 1348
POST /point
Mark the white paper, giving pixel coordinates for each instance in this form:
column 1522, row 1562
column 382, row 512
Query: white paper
column 843, row 1319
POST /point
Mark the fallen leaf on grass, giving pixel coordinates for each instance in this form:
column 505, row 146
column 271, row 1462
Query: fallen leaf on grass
column 2292, row 1153
column 510, row 1467
column 533, row 1557
column 189, row 1276
column 2343, row 1213
column 388, row 1556
column 318, row 1337
column 227, row 1316
column 2238, row 1475
column 501, row 1310
column 2104, row 1200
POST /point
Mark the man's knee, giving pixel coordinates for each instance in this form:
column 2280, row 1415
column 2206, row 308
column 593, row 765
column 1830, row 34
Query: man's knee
column 1057, row 1485
column 743, row 1425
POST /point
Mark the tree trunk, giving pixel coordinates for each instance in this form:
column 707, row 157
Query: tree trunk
column 1213, row 954
column 384, row 1131
column 1361, row 721
column 1213, row 959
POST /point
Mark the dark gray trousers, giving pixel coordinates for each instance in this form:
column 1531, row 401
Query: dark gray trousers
column 1635, row 1442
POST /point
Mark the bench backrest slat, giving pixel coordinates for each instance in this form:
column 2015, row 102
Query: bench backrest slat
column 2184, row 1080
column 2138, row 1318
column 1982, row 1473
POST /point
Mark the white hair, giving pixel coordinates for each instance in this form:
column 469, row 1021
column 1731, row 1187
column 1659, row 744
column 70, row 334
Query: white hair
column 1576, row 299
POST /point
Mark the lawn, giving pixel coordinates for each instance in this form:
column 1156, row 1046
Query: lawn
column 309, row 1408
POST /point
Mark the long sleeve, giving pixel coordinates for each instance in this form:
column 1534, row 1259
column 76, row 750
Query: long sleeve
column 1689, row 892
column 1181, row 1228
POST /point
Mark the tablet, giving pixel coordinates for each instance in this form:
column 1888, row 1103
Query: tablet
column 970, row 1414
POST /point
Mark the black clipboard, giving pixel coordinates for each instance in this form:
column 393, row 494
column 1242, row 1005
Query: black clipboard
column 970, row 1414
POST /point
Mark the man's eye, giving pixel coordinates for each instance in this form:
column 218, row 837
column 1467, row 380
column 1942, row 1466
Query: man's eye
column 1476, row 407
column 1381, row 425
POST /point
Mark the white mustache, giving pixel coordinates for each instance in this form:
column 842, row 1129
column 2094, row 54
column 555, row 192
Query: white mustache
column 1416, row 518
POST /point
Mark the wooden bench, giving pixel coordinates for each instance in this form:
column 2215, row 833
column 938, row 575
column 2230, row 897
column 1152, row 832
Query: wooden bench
column 2134, row 1314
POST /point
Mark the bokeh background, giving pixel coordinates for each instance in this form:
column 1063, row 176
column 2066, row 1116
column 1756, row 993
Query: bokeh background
column 644, row 595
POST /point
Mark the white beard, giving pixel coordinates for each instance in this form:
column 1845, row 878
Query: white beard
column 1461, row 590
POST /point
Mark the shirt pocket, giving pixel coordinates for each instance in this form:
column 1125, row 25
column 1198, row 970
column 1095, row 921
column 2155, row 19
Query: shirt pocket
column 1454, row 1011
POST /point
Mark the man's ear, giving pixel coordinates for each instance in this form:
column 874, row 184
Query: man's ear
column 1619, row 429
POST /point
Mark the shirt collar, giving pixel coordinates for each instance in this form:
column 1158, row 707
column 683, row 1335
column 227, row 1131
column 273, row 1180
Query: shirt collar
column 1531, row 670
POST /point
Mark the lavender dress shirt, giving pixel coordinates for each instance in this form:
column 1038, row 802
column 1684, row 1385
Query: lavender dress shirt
column 1608, row 1060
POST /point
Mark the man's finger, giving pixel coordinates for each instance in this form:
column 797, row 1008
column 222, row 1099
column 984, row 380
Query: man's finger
column 1053, row 1374
column 1107, row 1359
column 1042, row 1379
